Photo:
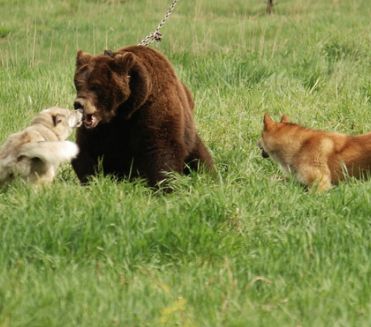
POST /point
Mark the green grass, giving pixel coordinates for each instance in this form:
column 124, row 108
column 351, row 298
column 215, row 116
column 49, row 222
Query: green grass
column 245, row 248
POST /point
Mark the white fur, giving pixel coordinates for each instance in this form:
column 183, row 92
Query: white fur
column 50, row 152
column 35, row 153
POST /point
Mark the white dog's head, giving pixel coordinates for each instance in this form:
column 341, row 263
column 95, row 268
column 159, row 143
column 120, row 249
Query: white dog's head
column 60, row 120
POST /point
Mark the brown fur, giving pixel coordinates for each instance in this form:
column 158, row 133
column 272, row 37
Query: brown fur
column 138, row 116
column 316, row 158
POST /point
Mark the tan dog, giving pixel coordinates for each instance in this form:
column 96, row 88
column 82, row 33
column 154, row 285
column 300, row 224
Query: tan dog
column 316, row 158
column 35, row 153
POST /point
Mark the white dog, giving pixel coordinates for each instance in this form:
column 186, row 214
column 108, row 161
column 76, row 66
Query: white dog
column 35, row 153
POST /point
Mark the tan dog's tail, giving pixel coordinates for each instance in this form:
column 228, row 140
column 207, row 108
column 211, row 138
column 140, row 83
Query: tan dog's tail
column 50, row 152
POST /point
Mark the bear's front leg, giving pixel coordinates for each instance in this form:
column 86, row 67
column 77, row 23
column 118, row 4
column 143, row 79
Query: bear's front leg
column 84, row 166
column 157, row 164
column 199, row 158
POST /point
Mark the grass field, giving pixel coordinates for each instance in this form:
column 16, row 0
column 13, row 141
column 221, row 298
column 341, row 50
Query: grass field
column 247, row 248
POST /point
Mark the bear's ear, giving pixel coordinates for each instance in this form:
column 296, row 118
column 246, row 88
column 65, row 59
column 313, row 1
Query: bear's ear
column 122, row 63
column 108, row 53
column 285, row 119
column 268, row 122
column 82, row 58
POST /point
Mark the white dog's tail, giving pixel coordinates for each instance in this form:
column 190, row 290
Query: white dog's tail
column 50, row 152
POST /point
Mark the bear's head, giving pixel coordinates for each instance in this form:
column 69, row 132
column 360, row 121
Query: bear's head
column 109, row 84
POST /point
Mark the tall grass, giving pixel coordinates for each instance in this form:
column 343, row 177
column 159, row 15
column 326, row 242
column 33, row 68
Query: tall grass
column 246, row 248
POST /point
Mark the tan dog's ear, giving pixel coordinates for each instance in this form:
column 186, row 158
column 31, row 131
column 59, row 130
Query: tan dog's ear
column 268, row 122
column 123, row 63
column 285, row 119
column 82, row 58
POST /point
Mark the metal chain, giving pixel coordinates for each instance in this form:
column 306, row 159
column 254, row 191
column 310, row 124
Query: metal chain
column 156, row 35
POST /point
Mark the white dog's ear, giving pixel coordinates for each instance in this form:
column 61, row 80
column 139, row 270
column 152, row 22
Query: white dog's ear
column 57, row 119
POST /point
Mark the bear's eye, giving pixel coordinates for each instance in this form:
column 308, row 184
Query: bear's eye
column 96, row 88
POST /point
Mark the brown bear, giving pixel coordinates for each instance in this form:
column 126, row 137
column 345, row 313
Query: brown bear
column 138, row 117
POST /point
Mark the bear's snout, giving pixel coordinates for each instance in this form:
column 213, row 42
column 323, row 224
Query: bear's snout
column 79, row 104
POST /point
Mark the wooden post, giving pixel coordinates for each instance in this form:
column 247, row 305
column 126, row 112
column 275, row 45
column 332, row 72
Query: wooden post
column 269, row 6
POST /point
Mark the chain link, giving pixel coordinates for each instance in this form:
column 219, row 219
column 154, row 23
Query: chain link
column 156, row 35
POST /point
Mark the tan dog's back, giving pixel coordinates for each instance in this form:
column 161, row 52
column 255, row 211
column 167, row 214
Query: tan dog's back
column 316, row 157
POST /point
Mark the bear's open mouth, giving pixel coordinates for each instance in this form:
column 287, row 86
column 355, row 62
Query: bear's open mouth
column 90, row 121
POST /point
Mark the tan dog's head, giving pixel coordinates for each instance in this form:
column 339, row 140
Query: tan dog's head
column 270, row 141
column 60, row 121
